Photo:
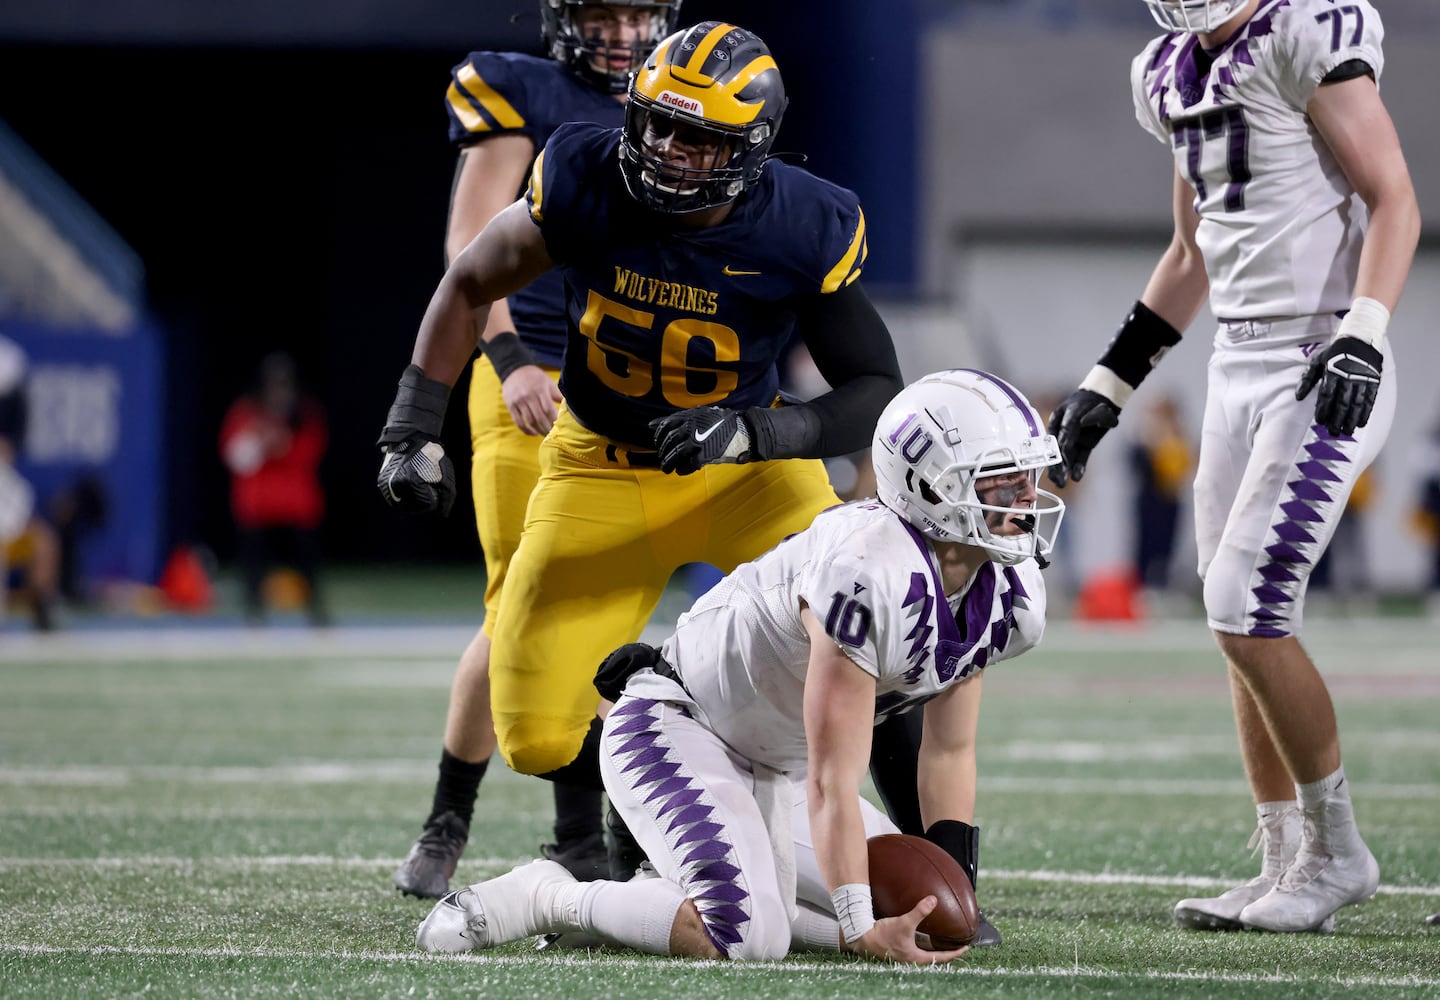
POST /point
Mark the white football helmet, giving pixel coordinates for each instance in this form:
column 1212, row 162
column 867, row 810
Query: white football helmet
column 947, row 430
column 1193, row 16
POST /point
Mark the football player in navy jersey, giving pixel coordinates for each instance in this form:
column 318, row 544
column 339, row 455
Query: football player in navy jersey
column 503, row 108
column 688, row 261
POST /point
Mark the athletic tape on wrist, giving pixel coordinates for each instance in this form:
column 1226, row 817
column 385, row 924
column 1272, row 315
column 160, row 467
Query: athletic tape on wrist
column 854, row 909
column 419, row 406
column 1367, row 320
column 506, row 352
column 1137, row 347
column 1109, row 385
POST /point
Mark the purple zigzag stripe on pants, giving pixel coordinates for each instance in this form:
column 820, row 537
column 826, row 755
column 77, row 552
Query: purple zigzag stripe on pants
column 682, row 808
column 1307, row 499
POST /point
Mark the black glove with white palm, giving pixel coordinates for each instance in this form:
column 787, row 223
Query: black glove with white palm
column 1084, row 416
column 705, row 435
column 416, row 474
column 1348, row 373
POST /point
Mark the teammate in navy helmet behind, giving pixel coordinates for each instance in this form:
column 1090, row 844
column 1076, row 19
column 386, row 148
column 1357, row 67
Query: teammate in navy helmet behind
column 503, row 107
column 736, row 751
column 689, row 262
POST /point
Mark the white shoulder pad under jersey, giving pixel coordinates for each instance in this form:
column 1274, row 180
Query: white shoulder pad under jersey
column 874, row 583
column 1280, row 227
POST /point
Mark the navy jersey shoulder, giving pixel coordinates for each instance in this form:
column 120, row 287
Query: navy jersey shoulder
column 820, row 235
column 798, row 232
column 495, row 93
column 506, row 93
column 664, row 317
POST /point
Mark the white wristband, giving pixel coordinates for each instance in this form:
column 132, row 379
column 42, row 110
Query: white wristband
column 1367, row 320
column 854, row 910
column 1109, row 385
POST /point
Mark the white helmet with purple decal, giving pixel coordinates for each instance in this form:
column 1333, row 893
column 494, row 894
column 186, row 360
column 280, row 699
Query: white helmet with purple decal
column 1193, row 16
column 940, row 436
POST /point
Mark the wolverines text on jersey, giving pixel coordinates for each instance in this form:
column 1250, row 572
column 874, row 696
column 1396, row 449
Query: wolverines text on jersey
column 663, row 318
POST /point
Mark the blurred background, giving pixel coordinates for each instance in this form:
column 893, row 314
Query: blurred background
column 196, row 195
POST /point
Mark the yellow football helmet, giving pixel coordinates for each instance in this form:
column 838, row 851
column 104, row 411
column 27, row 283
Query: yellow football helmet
column 703, row 113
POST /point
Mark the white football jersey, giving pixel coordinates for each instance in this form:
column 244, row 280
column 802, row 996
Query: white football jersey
column 1281, row 227
column 873, row 580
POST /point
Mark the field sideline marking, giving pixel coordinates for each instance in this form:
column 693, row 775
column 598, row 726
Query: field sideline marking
column 767, row 968
column 324, row 861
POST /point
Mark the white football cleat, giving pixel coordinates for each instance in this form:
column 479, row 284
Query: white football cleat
column 1333, row 868
column 519, row 904
column 1310, row 891
column 1278, row 836
column 1222, row 912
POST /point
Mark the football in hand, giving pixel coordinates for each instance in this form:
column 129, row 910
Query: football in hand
column 906, row 869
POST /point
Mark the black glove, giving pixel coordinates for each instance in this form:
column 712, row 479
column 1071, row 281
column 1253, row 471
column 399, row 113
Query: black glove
column 1348, row 372
column 706, row 435
column 615, row 671
column 1078, row 424
column 416, row 474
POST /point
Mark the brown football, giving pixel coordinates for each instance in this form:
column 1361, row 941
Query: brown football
column 906, row 869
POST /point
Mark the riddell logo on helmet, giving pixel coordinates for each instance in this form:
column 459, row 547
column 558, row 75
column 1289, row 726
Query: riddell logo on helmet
column 688, row 104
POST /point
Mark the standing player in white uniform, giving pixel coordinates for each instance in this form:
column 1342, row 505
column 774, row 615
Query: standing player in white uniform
column 1295, row 212
column 768, row 690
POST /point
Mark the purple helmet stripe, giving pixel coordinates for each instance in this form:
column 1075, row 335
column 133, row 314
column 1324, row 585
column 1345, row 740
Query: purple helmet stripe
column 1015, row 397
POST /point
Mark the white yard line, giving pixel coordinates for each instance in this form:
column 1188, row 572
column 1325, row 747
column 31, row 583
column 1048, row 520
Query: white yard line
column 1349, row 645
column 318, row 773
column 219, row 643
column 1177, row 881
column 147, row 645
column 605, row 961
column 345, row 772
column 243, row 863
column 1179, row 787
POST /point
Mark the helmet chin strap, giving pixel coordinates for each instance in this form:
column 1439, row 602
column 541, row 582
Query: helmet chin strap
column 1028, row 523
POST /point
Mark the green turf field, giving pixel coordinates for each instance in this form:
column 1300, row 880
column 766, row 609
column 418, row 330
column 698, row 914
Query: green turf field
column 216, row 813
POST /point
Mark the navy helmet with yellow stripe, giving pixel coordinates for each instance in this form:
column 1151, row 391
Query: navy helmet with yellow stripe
column 702, row 115
column 573, row 40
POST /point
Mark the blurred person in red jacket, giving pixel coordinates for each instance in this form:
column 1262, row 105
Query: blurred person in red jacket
column 272, row 442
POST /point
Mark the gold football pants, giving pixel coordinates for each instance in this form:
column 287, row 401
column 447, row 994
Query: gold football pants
column 504, row 466
column 604, row 530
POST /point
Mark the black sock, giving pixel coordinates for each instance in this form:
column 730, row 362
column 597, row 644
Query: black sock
column 577, row 813
column 455, row 790
column 894, row 751
column 584, row 770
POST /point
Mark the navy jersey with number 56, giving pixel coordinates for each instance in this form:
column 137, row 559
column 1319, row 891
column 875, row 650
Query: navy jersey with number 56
column 663, row 318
